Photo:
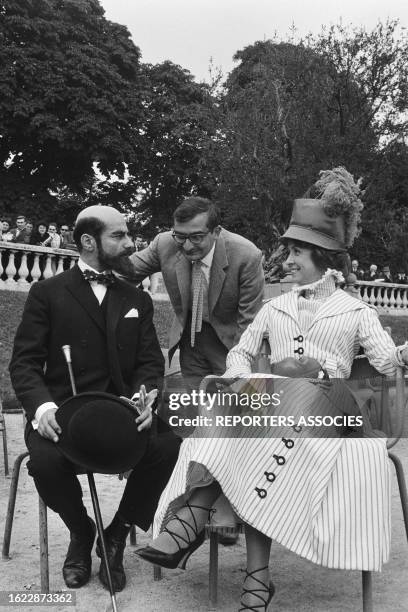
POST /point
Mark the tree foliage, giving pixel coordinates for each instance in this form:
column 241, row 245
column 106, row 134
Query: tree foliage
column 292, row 109
column 178, row 123
column 70, row 96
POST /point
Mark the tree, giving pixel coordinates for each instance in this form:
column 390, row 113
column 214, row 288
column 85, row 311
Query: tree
column 292, row 109
column 385, row 222
column 179, row 119
column 70, row 98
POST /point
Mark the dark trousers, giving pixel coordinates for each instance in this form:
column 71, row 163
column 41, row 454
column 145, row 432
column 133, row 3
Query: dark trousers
column 56, row 480
column 207, row 356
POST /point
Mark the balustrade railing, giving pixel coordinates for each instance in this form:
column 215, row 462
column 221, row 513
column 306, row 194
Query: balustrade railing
column 388, row 298
column 23, row 264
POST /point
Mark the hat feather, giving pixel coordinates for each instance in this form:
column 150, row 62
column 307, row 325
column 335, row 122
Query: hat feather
column 340, row 194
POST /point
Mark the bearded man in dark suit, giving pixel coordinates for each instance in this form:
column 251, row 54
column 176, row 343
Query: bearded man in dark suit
column 108, row 324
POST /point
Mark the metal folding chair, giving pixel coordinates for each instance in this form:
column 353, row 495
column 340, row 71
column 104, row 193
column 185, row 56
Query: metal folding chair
column 361, row 370
column 4, row 438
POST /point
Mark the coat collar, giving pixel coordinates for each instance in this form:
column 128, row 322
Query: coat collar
column 338, row 302
column 217, row 273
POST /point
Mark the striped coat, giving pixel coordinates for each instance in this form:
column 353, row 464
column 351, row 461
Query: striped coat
column 330, row 501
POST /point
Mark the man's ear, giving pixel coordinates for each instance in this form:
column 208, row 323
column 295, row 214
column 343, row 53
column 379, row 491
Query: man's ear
column 88, row 242
column 217, row 230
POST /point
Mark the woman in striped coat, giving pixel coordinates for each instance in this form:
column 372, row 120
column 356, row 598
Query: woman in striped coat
column 326, row 499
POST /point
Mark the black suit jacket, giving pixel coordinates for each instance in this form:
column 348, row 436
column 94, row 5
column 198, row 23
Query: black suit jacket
column 119, row 350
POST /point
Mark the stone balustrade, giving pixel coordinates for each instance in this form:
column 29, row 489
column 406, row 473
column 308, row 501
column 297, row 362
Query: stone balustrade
column 23, row 264
column 388, row 298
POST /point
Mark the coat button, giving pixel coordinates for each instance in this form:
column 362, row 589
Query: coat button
column 300, row 350
column 299, row 338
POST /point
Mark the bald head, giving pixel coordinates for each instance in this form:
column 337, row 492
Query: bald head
column 106, row 214
column 93, row 221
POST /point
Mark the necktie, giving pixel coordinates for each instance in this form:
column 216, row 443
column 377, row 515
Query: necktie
column 197, row 283
column 105, row 278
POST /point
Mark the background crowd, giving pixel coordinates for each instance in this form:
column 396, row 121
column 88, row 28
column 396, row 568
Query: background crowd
column 43, row 234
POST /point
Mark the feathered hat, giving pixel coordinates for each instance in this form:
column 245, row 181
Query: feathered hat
column 330, row 219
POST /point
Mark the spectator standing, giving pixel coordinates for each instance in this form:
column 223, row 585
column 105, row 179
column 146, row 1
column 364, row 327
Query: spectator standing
column 67, row 239
column 6, row 235
column 28, row 232
column 357, row 270
column 139, row 242
column 386, row 275
column 372, row 274
column 40, row 235
column 54, row 239
column 18, row 233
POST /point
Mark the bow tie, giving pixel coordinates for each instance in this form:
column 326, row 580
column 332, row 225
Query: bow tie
column 105, row 278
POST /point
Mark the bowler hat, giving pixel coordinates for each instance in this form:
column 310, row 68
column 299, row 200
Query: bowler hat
column 99, row 433
column 310, row 223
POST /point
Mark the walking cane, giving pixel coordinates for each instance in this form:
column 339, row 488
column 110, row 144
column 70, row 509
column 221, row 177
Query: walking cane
column 95, row 502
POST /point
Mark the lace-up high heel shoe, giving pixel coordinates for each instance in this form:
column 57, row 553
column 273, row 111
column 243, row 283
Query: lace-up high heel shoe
column 264, row 593
column 180, row 557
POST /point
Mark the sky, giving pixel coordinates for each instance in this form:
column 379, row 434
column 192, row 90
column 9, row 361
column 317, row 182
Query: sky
column 191, row 32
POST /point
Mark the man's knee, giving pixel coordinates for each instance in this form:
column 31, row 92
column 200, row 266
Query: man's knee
column 45, row 458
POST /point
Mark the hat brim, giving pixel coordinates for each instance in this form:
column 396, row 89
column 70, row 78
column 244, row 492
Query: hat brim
column 312, row 236
column 84, row 459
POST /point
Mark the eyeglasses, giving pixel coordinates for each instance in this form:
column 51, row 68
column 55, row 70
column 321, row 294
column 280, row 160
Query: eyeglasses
column 193, row 238
column 64, row 229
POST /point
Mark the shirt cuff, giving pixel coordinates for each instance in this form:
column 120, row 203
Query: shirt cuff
column 40, row 411
column 397, row 360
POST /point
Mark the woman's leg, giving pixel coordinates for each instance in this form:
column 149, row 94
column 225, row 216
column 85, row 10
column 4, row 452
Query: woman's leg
column 258, row 550
column 189, row 520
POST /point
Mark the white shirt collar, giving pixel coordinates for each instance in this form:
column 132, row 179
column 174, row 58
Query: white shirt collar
column 208, row 259
column 84, row 266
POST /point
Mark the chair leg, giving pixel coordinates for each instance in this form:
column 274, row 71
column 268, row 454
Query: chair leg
column 367, row 578
column 11, row 505
column 213, row 572
column 43, row 525
column 5, row 451
column 132, row 536
column 402, row 488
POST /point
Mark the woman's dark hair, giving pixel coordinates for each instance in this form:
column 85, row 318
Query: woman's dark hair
column 323, row 258
column 41, row 223
column 88, row 225
column 195, row 205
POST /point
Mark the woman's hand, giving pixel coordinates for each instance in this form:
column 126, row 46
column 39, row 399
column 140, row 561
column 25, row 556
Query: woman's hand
column 404, row 355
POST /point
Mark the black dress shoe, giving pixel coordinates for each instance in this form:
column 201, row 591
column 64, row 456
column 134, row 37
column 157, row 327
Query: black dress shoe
column 114, row 548
column 78, row 562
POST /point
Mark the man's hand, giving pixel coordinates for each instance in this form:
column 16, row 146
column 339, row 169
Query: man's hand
column 48, row 426
column 143, row 406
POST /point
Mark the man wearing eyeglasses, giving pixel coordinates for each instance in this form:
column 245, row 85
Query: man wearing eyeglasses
column 215, row 283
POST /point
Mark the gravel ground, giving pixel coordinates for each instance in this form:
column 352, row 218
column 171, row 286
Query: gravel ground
column 300, row 584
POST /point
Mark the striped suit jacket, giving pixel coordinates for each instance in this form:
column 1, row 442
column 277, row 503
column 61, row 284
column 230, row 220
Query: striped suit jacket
column 340, row 327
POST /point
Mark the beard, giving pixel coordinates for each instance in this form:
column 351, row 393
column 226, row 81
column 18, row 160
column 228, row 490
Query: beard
column 117, row 263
